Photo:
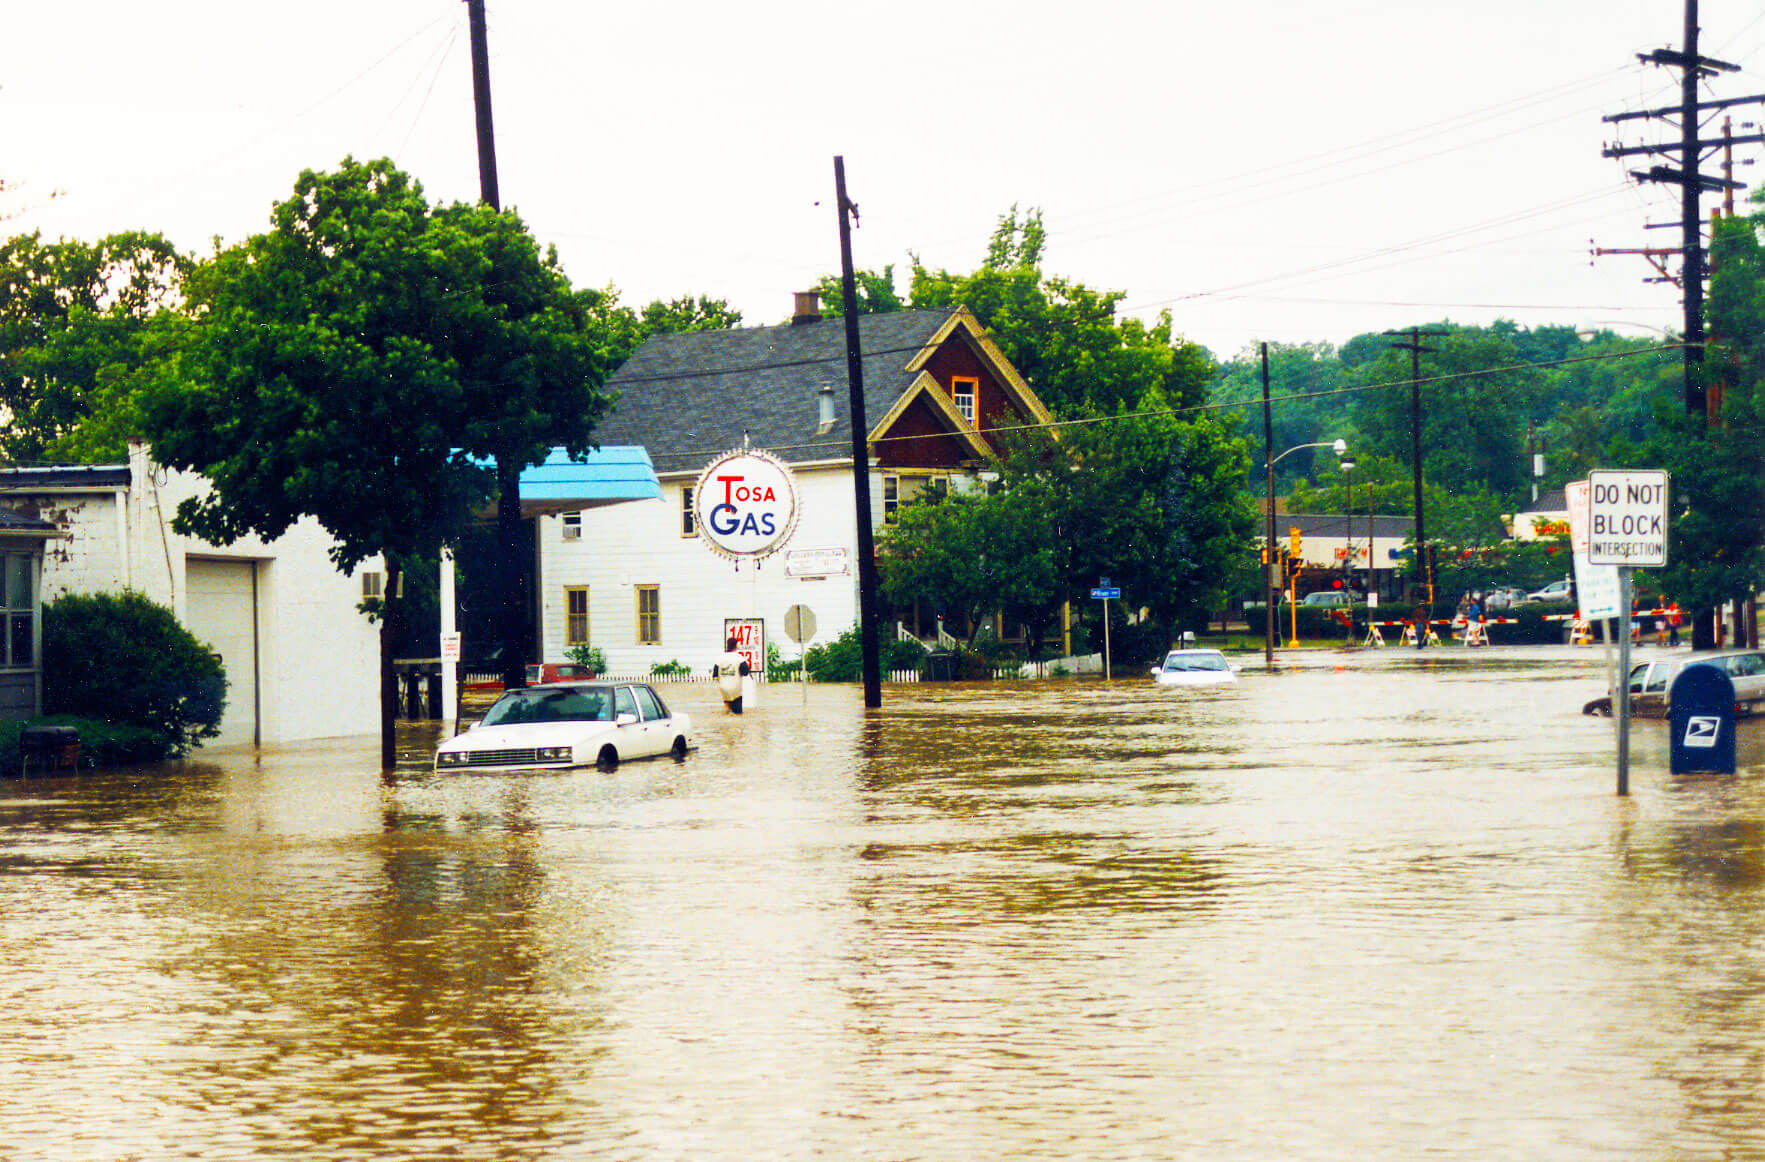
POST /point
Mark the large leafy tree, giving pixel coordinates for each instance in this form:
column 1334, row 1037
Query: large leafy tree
column 1717, row 533
column 74, row 324
column 1061, row 335
column 357, row 363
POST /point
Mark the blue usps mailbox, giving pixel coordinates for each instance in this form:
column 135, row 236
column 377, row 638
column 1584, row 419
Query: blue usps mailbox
column 1700, row 720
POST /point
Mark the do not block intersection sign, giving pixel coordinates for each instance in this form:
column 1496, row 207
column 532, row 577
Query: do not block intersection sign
column 1627, row 518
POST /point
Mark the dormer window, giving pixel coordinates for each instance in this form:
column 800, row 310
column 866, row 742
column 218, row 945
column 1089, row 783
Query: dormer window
column 962, row 391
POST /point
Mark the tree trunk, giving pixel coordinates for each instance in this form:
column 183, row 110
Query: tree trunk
column 389, row 692
column 512, row 574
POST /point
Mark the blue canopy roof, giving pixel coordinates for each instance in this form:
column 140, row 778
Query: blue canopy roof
column 611, row 475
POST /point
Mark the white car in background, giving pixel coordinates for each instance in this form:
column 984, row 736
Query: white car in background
column 1196, row 667
column 569, row 724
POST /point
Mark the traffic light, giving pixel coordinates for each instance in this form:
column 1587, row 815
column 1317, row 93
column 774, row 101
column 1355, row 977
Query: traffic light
column 1293, row 539
column 1265, row 554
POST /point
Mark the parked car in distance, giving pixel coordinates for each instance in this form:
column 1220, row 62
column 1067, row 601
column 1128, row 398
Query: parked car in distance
column 1652, row 681
column 1331, row 598
column 1505, row 597
column 569, row 724
column 1195, row 667
column 546, row 673
column 1555, row 591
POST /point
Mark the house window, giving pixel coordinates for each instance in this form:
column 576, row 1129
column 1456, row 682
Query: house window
column 572, row 526
column 576, row 615
column 374, row 586
column 649, row 615
column 963, row 389
column 689, row 525
column 891, row 498
column 18, row 576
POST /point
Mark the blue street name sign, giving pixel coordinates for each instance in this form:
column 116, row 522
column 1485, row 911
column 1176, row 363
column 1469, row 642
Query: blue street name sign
column 1107, row 594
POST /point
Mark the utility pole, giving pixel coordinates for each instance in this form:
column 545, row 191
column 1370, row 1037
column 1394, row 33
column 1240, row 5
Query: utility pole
column 511, row 566
column 1269, row 590
column 867, row 619
column 1692, row 183
column 1411, row 340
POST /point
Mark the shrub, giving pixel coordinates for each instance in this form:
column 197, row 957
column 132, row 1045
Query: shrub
column 842, row 660
column 669, row 669
column 584, row 654
column 119, row 658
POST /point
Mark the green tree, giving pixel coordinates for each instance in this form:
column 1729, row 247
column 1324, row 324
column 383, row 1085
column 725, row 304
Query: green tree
column 359, row 361
column 1717, row 532
column 74, row 324
column 970, row 556
column 876, row 293
column 1062, row 336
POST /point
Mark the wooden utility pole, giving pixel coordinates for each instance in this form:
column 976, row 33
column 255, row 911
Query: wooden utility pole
column 511, row 561
column 867, row 619
column 1269, row 590
column 1411, row 341
column 1692, row 183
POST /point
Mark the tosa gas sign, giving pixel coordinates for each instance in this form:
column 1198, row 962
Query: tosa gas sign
column 745, row 504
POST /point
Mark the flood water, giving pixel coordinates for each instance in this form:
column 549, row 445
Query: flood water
column 1366, row 906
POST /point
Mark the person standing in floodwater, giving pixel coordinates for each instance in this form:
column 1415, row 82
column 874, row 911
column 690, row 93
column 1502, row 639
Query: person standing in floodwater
column 729, row 671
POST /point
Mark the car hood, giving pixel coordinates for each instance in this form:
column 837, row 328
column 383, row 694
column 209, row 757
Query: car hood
column 525, row 734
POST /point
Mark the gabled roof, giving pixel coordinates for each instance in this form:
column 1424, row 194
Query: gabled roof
column 688, row 397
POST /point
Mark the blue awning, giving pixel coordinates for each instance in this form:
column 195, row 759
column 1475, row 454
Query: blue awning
column 611, row 475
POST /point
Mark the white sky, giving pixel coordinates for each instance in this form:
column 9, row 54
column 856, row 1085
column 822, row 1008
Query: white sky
column 1284, row 170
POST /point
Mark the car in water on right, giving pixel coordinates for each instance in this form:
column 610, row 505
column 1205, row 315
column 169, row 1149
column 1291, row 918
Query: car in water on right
column 1651, row 681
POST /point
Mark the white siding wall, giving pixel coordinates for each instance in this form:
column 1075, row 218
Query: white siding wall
column 318, row 659
column 628, row 545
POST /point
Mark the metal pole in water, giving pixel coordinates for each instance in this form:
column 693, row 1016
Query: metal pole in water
column 1621, row 689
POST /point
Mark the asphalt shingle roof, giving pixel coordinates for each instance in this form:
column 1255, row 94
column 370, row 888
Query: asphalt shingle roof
column 687, row 398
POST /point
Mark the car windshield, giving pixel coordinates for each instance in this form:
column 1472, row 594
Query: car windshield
column 552, row 704
column 1208, row 661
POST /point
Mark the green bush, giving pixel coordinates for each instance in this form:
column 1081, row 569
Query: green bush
column 670, row 669
column 589, row 656
column 842, row 660
column 121, row 659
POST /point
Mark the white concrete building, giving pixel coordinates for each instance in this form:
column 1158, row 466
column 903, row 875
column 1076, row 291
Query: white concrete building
column 301, row 660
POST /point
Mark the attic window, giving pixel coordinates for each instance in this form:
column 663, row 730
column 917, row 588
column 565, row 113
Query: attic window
column 573, row 526
column 689, row 524
column 962, row 390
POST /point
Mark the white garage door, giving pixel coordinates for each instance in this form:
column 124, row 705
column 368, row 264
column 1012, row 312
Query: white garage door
column 221, row 609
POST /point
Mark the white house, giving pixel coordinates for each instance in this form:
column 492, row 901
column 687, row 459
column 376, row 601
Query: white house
column 639, row 582
column 301, row 661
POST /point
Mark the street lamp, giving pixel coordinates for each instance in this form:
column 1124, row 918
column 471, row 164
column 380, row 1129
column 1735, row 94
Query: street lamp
column 1339, row 447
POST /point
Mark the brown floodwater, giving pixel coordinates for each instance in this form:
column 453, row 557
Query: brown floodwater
column 1365, row 906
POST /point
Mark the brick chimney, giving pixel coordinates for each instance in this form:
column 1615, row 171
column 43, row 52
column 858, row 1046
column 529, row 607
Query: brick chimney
column 808, row 308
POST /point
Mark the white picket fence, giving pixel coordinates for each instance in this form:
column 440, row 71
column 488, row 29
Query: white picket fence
column 1010, row 671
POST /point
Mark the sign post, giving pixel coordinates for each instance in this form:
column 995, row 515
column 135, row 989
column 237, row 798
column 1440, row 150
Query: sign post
column 1627, row 527
column 1105, row 592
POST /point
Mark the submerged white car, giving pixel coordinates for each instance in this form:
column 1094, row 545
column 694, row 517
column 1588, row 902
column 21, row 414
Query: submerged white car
column 569, row 724
column 1195, row 668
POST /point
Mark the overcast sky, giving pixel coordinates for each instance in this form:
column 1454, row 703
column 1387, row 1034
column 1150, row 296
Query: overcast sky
column 1267, row 169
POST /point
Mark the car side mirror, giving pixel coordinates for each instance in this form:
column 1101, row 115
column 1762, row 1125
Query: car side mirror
column 626, row 718
column 1157, row 670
